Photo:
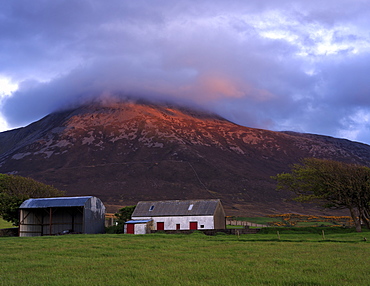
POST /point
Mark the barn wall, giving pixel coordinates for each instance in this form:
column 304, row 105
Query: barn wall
column 184, row 221
column 141, row 228
column 30, row 223
column 220, row 222
column 94, row 216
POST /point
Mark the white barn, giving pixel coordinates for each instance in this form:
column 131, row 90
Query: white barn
column 176, row 215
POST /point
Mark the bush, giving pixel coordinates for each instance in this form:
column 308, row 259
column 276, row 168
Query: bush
column 197, row 232
column 123, row 215
column 114, row 229
column 221, row 233
column 14, row 190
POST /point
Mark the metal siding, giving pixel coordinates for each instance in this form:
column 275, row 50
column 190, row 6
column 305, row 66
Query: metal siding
column 55, row 202
column 219, row 217
column 89, row 218
column 94, row 216
column 138, row 221
column 30, row 224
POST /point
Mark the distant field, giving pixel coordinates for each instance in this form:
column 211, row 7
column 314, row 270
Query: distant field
column 5, row 224
column 258, row 220
column 300, row 257
column 298, row 220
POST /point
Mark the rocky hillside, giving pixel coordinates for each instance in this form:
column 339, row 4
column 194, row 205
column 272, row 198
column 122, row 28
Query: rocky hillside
column 130, row 151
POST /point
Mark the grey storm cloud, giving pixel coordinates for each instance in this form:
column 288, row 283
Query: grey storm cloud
column 280, row 65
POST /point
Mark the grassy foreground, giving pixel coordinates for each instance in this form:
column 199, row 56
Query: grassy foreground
column 159, row 259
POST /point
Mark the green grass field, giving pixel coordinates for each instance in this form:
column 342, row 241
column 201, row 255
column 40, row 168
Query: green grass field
column 5, row 224
column 298, row 258
column 270, row 220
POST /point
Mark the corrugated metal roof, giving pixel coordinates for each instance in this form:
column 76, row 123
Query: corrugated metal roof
column 175, row 208
column 138, row 221
column 54, row 202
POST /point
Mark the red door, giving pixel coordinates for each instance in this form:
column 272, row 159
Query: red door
column 160, row 225
column 193, row 225
column 130, row 228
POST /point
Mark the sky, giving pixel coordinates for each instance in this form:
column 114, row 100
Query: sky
column 280, row 65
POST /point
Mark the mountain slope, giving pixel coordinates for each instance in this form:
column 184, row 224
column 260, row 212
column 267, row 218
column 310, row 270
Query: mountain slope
column 130, row 151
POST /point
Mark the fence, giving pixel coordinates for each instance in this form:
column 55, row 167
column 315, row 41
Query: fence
column 244, row 223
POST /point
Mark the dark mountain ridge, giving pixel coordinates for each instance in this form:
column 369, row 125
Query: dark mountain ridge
column 124, row 152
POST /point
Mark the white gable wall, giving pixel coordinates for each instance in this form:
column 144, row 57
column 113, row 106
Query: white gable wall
column 170, row 222
column 139, row 228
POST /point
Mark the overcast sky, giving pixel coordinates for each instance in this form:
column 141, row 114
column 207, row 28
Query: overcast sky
column 281, row 65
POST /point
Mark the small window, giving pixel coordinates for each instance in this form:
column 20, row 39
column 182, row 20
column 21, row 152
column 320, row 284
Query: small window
column 190, row 207
column 202, row 226
column 178, row 226
column 151, row 208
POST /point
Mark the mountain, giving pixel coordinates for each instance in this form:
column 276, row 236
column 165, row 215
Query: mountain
column 124, row 152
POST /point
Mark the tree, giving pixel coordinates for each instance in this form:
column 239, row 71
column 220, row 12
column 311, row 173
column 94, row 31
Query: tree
column 333, row 184
column 123, row 215
column 16, row 189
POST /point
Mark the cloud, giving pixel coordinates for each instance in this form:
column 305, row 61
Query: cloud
column 298, row 65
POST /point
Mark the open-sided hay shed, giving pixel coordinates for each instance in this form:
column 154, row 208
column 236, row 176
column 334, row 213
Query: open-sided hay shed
column 53, row 216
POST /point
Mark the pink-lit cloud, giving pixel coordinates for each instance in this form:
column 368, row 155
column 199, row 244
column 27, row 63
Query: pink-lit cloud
column 282, row 65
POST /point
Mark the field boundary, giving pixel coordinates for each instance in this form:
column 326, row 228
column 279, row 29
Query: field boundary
column 13, row 231
column 244, row 223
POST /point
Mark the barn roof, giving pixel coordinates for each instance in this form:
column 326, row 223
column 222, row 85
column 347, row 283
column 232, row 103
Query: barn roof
column 55, row 202
column 175, row 208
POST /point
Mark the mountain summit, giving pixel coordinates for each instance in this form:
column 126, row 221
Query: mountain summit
column 131, row 151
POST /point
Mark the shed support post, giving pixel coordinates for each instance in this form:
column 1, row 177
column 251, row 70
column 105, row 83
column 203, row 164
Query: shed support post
column 50, row 220
column 42, row 225
column 73, row 222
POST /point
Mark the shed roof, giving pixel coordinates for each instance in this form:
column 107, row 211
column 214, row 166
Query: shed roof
column 138, row 221
column 55, row 202
column 175, row 208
